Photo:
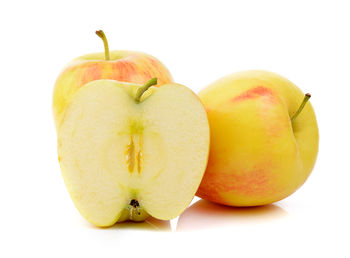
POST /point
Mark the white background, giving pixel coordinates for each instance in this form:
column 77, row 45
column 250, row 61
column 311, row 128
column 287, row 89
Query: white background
column 199, row 41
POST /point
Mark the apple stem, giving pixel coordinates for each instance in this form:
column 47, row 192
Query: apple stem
column 102, row 35
column 301, row 107
column 144, row 88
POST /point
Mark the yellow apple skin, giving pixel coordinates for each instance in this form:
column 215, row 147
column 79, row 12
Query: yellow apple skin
column 257, row 155
column 123, row 66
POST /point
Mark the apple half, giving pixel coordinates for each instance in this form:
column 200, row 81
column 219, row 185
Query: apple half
column 128, row 151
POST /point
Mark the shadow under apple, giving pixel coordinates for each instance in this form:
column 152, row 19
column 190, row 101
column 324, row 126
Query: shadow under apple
column 204, row 215
column 150, row 223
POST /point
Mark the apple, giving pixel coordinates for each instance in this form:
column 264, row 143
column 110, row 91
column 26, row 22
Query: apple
column 125, row 66
column 128, row 151
column 264, row 142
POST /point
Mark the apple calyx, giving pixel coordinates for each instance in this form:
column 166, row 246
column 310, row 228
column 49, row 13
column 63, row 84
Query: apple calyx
column 301, row 107
column 134, row 204
column 133, row 211
column 102, row 35
column 144, row 88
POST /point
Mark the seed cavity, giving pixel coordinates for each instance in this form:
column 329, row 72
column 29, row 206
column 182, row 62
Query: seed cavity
column 139, row 161
column 133, row 153
column 130, row 155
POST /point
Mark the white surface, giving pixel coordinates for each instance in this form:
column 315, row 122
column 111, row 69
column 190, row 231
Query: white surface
column 305, row 41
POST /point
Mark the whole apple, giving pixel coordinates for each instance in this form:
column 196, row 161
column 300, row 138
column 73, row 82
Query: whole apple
column 124, row 66
column 264, row 139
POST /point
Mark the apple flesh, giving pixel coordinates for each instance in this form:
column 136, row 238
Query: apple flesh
column 124, row 156
column 258, row 155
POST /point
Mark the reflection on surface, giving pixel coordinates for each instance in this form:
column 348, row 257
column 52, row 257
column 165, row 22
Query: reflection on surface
column 148, row 224
column 204, row 214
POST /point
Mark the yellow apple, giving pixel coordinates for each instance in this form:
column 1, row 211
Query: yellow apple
column 127, row 152
column 264, row 142
column 124, row 66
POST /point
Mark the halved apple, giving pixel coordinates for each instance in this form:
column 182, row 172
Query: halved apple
column 128, row 151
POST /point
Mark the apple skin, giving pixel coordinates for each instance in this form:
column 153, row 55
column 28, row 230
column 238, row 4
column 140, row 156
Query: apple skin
column 257, row 155
column 123, row 66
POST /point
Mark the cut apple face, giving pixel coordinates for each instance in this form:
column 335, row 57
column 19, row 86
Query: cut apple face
column 124, row 158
